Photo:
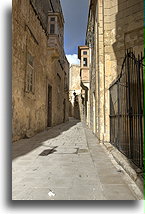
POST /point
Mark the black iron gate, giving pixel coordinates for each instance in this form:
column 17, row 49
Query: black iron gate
column 126, row 109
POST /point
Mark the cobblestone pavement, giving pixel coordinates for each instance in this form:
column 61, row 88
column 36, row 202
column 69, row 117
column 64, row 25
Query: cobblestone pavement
column 66, row 163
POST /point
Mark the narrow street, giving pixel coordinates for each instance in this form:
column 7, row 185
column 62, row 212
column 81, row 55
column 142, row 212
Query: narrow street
column 66, row 163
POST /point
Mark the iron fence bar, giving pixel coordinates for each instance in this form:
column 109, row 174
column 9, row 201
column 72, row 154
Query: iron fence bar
column 140, row 112
column 118, row 134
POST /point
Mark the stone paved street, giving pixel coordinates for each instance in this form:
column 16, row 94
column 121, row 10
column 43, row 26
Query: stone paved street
column 67, row 163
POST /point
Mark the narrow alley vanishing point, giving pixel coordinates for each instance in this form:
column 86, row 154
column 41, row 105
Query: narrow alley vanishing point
column 66, row 163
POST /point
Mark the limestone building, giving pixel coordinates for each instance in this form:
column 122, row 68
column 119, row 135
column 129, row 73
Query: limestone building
column 40, row 70
column 113, row 27
column 84, row 56
column 76, row 106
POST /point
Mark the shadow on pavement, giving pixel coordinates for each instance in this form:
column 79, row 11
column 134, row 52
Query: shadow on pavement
column 25, row 146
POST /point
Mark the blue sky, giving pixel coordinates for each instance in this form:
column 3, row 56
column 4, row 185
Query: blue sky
column 76, row 16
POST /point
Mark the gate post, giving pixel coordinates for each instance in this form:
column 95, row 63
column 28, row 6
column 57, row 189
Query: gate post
column 140, row 111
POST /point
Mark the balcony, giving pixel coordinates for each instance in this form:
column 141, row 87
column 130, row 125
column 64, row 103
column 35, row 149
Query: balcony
column 83, row 55
column 85, row 75
column 54, row 46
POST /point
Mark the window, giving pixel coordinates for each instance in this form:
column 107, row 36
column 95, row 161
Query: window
column 52, row 19
column 85, row 62
column 52, row 25
column 30, row 79
column 30, row 73
column 58, row 83
column 84, row 52
column 52, row 28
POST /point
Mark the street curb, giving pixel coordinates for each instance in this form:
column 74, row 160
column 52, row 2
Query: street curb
column 126, row 165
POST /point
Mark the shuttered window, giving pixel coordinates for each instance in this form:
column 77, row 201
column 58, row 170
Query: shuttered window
column 30, row 73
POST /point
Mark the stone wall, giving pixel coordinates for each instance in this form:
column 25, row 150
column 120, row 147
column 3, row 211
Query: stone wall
column 30, row 110
column 123, row 29
column 117, row 25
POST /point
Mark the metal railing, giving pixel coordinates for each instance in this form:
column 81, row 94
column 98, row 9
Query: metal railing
column 126, row 109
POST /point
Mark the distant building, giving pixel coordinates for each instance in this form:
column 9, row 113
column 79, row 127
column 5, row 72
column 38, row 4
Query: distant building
column 40, row 70
column 84, row 56
column 75, row 107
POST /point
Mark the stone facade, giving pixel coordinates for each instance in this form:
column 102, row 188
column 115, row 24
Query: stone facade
column 113, row 27
column 76, row 108
column 84, row 56
column 39, row 67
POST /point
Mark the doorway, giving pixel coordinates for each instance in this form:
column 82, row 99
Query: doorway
column 49, row 108
column 64, row 110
